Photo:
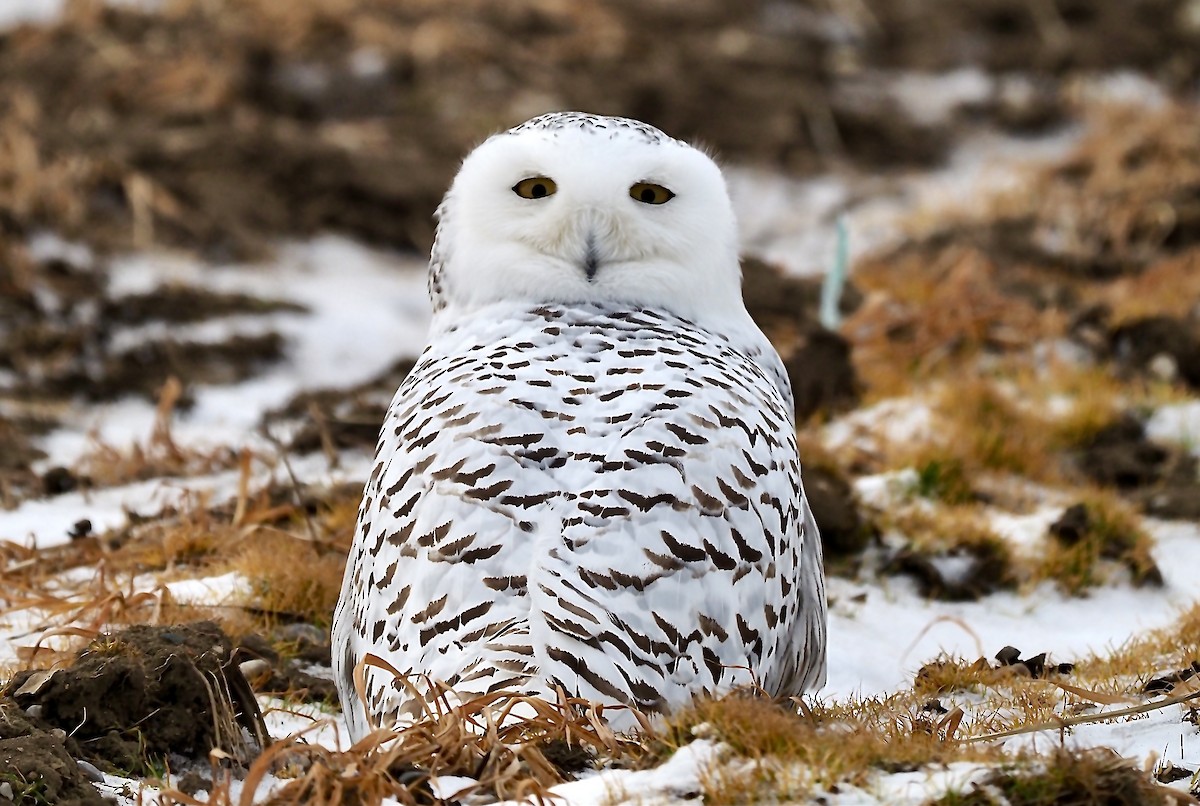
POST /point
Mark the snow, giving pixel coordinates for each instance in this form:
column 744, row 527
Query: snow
column 677, row 779
column 792, row 222
column 1177, row 423
column 42, row 12
column 878, row 642
column 366, row 309
column 880, row 632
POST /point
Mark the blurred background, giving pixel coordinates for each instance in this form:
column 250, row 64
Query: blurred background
column 214, row 223
column 1012, row 178
column 219, row 125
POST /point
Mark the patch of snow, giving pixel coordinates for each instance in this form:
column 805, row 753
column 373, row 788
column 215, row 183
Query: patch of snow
column 932, row 98
column 48, row 522
column 208, row 590
column 896, row 420
column 679, row 778
column 1024, row 531
column 1177, row 423
column 366, row 310
column 877, row 644
column 45, row 246
column 44, row 12
column 30, row 12
column 926, row 784
column 793, row 222
column 883, row 490
column 1120, row 88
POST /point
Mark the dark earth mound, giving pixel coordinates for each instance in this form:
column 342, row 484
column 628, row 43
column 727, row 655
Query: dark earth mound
column 964, row 573
column 817, row 360
column 144, row 695
column 38, row 763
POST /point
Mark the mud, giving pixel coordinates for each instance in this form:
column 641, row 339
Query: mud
column 1057, row 37
column 38, row 762
column 145, row 695
column 988, row 569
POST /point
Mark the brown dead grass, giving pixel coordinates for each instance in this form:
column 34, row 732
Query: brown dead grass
column 1096, row 776
column 932, row 316
column 1113, row 542
column 159, row 456
column 290, row 578
column 1126, row 194
column 1168, row 288
column 511, row 757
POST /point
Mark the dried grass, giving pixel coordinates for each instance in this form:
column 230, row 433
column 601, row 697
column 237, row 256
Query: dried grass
column 1112, row 541
column 928, row 318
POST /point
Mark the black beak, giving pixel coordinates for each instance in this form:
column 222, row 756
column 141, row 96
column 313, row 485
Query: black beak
column 591, row 260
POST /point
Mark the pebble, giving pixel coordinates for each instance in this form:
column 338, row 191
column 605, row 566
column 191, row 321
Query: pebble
column 90, row 771
column 253, row 669
column 35, row 711
column 6, row 791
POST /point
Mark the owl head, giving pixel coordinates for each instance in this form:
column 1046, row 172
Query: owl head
column 577, row 208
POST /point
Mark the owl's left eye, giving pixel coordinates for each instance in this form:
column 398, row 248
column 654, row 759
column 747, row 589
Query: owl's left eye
column 650, row 193
column 535, row 187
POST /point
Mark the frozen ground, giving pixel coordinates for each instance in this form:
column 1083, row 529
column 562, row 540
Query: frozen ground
column 365, row 309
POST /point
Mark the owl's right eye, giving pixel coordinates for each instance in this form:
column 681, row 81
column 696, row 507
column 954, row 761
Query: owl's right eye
column 535, row 187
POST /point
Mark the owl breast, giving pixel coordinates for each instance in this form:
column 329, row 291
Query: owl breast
column 606, row 502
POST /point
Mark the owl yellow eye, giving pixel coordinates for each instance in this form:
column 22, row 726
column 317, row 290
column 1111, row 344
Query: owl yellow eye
column 649, row 193
column 535, row 187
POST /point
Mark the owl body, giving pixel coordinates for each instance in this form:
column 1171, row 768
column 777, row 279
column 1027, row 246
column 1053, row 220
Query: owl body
column 580, row 490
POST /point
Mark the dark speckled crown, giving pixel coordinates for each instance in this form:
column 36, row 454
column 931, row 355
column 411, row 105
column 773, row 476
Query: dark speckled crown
column 595, row 124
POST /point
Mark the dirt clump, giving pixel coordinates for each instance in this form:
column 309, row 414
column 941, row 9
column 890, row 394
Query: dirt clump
column 1085, row 535
column 1159, row 346
column 1119, row 455
column 963, row 573
column 817, row 360
column 38, row 762
column 146, row 694
column 844, row 530
column 287, row 673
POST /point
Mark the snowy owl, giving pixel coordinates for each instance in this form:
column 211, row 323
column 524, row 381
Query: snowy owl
column 589, row 482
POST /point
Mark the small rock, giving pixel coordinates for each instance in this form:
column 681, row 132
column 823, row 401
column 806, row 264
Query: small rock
column 35, row 711
column 1071, row 526
column 1036, row 665
column 59, row 480
column 1167, row 682
column 81, row 529
column 1008, row 656
column 6, row 791
column 1169, row 773
column 90, row 771
column 254, row 669
column 1163, row 367
column 935, row 706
